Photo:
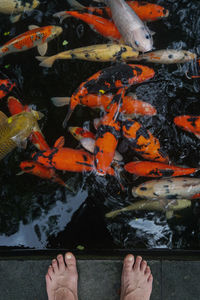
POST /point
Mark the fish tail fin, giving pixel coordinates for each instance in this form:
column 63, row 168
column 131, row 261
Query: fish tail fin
column 60, row 101
column 46, row 61
column 61, row 15
column 75, row 4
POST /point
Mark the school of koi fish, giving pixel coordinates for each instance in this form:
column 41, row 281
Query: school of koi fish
column 110, row 89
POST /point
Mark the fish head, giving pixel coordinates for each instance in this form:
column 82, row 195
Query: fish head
column 56, row 30
column 143, row 190
column 142, row 39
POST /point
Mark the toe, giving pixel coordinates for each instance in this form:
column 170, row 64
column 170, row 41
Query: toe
column 54, row 265
column 128, row 262
column 148, row 271
column 150, row 279
column 48, row 279
column 70, row 260
column 137, row 263
column 61, row 263
column 50, row 272
column 143, row 266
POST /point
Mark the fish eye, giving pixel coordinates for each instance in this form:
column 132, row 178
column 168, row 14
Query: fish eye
column 147, row 36
column 136, row 43
column 170, row 56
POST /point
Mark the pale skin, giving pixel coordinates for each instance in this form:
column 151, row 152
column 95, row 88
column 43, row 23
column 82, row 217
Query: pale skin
column 62, row 279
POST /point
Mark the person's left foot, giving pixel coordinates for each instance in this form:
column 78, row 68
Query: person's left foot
column 62, row 278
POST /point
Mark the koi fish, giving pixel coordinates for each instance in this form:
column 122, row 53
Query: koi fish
column 168, row 56
column 100, row 25
column 16, row 8
column 131, row 106
column 146, row 11
column 108, row 79
column 169, row 188
column 37, row 138
column 79, row 133
column 35, row 37
column 67, row 159
column 6, row 87
column 107, row 136
column 101, row 53
column 168, row 206
column 41, row 171
column 143, row 142
column 134, row 32
column 15, row 130
column 189, row 123
column 156, row 169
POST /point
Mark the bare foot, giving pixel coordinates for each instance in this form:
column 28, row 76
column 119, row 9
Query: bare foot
column 62, row 278
column 136, row 280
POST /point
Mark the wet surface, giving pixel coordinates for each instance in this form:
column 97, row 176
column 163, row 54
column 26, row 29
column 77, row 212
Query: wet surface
column 40, row 214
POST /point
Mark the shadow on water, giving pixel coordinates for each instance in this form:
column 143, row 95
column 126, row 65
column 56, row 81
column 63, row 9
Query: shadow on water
column 36, row 213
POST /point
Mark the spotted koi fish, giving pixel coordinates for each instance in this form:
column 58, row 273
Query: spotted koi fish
column 67, row 159
column 41, row 171
column 101, row 53
column 37, row 138
column 16, row 8
column 35, row 37
column 131, row 106
column 6, row 87
column 143, row 142
column 108, row 79
column 189, row 123
column 156, row 169
column 146, row 11
column 108, row 134
column 169, row 188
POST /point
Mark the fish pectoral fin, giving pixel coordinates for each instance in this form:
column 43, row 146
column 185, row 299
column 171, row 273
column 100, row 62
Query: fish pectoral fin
column 169, row 214
column 75, row 4
column 20, row 173
column 42, row 49
column 15, row 18
column 30, row 27
column 3, row 117
column 20, row 143
column 60, row 101
column 59, row 143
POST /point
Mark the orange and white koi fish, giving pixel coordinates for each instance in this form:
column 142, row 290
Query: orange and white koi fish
column 156, row 169
column 35, row 37
column 15, row 8
column 37, row 138
column 41, row 171
column 143, row 142
column 131, row 106
column 146, row 11
column 169, row 188
column 6, row 87
column 67, row 159
column 189, row 123
column 168, row 56
column 108, row 79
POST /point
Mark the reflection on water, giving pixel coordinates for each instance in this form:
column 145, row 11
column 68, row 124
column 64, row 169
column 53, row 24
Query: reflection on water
column 38, row 214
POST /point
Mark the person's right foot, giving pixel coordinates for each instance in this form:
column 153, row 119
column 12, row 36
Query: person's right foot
column 136, row 279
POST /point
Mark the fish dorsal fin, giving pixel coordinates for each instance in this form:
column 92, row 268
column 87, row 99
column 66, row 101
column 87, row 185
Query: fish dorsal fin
column 42, row 49
column 30, row 27
column 15, row 18
column 59, row 142
column 3, row 117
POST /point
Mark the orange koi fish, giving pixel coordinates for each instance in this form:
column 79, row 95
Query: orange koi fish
column 107, row 137
column 37, row 138
column 41, row 171
column 130, row 104
column 189, row 123
column 143, row 141
column 36, row 36
column 146, row 11
column 80, row 133
column 101, row 25
column 67, row 159
column 156, row 169
column 108, row 79
column 6, row 87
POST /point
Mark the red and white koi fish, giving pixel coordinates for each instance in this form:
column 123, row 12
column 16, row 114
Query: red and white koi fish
column 35, row 37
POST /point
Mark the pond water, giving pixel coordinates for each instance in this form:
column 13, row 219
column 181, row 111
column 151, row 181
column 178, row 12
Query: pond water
column 40, row 214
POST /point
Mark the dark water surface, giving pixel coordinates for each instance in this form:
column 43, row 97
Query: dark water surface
column 35, row 213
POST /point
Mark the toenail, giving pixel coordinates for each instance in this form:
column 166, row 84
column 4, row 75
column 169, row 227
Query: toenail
column 130, row 258
column 68, row 256
column 54, row 260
